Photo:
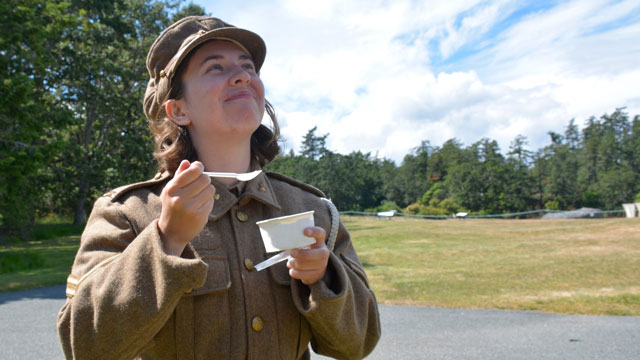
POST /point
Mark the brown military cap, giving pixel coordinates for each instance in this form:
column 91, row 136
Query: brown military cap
column 178, row 40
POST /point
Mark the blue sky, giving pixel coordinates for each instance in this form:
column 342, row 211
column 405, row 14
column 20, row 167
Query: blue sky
column 381, row 76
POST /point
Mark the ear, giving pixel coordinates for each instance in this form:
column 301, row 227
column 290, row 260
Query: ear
column 176, row 111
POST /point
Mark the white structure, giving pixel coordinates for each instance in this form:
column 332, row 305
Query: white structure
column 630, row 210
column 387, row 214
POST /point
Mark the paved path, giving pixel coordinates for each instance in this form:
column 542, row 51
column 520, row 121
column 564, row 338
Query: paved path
column 28, row 318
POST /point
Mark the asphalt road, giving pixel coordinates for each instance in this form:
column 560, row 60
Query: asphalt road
column 28, row 318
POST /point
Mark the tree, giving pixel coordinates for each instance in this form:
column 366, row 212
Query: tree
column 103, row 79
column 519, row 185
column 313, row 146
column 28, row 107
column 563, row 172
column 412, row 179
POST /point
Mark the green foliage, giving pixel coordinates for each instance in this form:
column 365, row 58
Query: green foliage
column 446, row 207
column 591, row 199
column 76, row 74
column 437, row 192
column 313, row 146
column 552, row 205
column 31, row 31
column 593, row 168
column 351, row 181
column 386, row 205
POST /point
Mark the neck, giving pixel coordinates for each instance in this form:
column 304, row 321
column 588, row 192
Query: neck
column 224, row 155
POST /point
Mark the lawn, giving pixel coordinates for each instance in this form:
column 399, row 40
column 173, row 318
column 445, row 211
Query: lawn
column 563, row 266
column 44, row 261
column 589, row 266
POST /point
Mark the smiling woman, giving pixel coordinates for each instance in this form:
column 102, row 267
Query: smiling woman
column 165, row 268
column 223, row 101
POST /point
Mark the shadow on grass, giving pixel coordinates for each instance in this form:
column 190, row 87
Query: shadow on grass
column 54, row 230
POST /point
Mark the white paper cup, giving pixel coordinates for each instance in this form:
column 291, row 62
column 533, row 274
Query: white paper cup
column 286, row 232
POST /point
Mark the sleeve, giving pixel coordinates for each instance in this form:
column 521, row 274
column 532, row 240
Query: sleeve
column 341, row 309
column 126, row 287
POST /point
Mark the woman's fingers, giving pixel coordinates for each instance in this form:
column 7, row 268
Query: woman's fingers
column 307, row 277
column 204, row 197
column 309, row 259
column 187, row 176
column 197, row 186
column 310, row 264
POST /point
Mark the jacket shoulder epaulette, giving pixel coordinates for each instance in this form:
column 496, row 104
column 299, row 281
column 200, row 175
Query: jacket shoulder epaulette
column 306, row 187
column 119, row 191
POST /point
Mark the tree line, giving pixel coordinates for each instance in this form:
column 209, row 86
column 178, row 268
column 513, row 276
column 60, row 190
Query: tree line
column 597, row 167
column 72, row 127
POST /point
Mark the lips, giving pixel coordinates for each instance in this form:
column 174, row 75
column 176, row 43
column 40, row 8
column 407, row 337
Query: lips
column 238, row 95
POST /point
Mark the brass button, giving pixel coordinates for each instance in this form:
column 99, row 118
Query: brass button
column 257, row 324
column 163, row 73
column 201, row 32
column 242, row 216
column 248, row 264
column 216, row 197
column 262, row 187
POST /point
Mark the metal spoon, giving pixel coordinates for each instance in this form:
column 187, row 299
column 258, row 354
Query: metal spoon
column 240, row 177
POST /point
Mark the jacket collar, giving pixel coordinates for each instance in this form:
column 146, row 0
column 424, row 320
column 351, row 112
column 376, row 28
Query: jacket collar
column 258, row 189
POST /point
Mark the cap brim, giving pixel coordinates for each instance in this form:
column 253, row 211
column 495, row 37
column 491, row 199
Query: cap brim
column 248, row 41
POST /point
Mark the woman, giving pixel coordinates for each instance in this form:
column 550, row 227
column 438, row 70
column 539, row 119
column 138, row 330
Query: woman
column 165, row 267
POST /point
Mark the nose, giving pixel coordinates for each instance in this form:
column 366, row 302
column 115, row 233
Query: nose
column 240, row 77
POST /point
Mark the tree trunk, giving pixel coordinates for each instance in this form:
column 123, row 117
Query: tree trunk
column 79, row 213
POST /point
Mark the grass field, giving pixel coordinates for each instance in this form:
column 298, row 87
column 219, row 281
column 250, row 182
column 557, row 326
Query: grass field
column 50, row 254
column 564, row 266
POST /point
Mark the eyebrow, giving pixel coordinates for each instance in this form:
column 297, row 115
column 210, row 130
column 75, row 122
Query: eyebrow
column 218, row 57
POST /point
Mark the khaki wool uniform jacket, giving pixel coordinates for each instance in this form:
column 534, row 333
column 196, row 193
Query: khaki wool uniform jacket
column 128, row 299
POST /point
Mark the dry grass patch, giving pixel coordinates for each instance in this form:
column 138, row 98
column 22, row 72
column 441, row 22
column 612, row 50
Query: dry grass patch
column 586, row 266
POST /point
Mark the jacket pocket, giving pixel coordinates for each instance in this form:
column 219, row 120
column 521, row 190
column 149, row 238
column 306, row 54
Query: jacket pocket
column 207, row 239
column 218, row 275
column 280, row 274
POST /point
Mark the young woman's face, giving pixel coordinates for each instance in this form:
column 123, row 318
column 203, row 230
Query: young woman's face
column 224, row 95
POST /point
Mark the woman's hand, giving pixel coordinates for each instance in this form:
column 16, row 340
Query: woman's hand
column 187, row 200
column 309, row 265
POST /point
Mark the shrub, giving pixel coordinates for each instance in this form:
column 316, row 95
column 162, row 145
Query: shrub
column 412, row 209
column 450, row 206
column 552, row 205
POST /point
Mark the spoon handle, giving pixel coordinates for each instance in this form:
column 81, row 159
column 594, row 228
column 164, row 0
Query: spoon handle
column 273, row 260
column 220, row 174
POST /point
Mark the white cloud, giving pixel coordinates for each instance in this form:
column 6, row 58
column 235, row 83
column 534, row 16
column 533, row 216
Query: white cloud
column 367, row 73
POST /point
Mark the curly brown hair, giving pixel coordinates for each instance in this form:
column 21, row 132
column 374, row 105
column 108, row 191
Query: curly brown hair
column 173, row 143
